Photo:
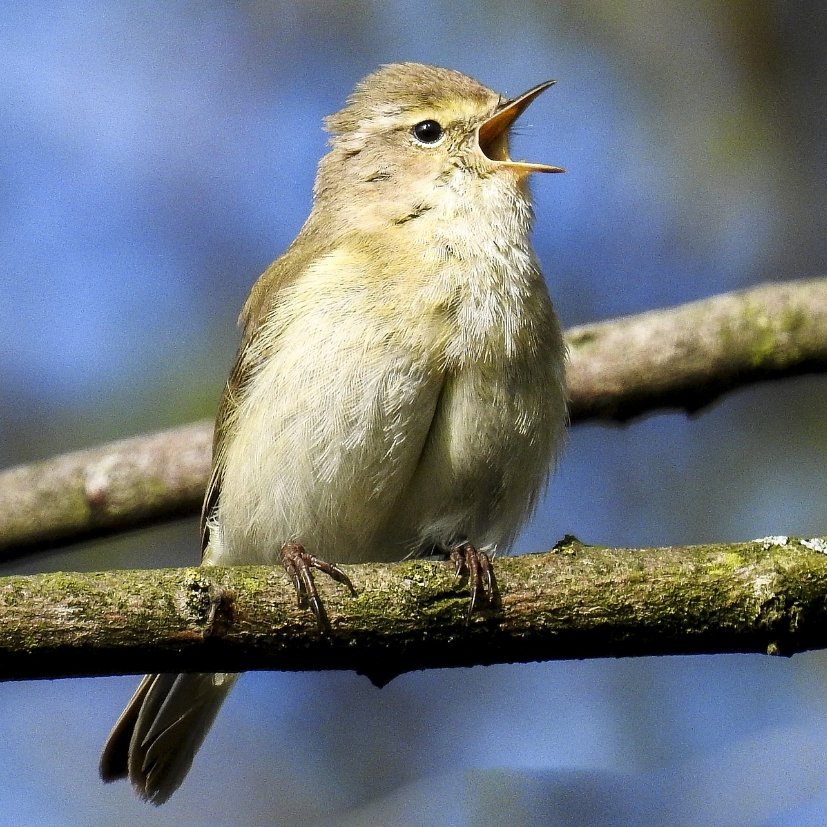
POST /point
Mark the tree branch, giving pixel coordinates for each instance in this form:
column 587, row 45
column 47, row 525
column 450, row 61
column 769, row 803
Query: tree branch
column 574, row 601
column 688, row 356
column 683, row 357
column 112, row 487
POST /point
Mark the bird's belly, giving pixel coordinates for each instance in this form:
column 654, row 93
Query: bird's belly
column 376, row 440
column 486, row 459
column 323, row 453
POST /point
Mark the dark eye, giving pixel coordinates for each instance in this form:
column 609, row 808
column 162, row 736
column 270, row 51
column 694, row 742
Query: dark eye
column 427, row 132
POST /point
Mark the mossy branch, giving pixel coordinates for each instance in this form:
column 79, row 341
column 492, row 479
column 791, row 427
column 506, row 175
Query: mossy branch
column 113, row 487
column 575, row 601
column 687, row 357
column 684, row 357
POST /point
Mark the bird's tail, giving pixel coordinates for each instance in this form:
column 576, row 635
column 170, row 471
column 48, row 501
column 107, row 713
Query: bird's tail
column 156, row 737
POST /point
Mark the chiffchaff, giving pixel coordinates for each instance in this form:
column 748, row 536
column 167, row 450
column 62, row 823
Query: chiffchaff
column 399, row 387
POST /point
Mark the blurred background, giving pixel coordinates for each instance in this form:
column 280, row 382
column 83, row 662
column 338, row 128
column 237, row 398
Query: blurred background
column 154, row 158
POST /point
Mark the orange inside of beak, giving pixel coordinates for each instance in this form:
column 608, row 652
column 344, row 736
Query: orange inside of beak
column 492, row 134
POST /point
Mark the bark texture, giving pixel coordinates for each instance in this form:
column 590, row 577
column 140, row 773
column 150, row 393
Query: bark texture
column 686, row 357
column 575, row 601
column 113, row 487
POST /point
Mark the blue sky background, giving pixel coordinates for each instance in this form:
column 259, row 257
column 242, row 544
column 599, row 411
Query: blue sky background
column 154, row 158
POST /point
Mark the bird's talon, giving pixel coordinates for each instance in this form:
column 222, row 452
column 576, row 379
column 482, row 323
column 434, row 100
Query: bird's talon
column 298, row 565
column 317, row 607
column 480, row 575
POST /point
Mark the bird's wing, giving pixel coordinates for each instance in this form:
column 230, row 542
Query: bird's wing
column 226, row 409
column 344, row 258
column 282, row 271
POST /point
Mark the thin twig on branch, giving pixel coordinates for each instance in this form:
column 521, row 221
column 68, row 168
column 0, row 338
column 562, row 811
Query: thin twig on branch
column 683, row 357
column 575, row 601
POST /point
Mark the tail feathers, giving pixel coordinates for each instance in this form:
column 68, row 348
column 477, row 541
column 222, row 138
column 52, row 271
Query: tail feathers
column 165, row 722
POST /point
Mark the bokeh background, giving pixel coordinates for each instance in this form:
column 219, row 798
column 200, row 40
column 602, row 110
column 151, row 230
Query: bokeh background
column 154, row 158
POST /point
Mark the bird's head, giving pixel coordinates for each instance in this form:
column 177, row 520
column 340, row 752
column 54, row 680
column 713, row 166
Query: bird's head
column 410, row 130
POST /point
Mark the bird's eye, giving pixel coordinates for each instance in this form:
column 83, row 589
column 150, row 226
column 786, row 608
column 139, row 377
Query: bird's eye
column 427, row 132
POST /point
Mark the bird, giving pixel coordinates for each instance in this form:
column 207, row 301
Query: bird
column 399, row 389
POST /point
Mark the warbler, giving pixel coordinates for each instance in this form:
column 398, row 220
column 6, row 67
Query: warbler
column 399, row 388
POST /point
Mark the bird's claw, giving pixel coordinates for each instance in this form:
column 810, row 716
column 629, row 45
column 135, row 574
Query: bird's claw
column 480, row 571
column 298, row 564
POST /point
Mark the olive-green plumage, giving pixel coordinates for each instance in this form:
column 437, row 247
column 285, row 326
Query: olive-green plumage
column 399, row 384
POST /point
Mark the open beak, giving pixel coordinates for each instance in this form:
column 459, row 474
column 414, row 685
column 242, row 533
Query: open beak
column 492, row 134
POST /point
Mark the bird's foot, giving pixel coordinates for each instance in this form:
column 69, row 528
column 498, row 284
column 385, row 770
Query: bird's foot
column 480, row 572
column 298, row 564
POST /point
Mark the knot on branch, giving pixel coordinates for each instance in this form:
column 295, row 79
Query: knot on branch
column 211, row 605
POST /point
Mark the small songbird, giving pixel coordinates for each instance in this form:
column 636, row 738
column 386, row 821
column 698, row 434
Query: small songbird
column 399, row 388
